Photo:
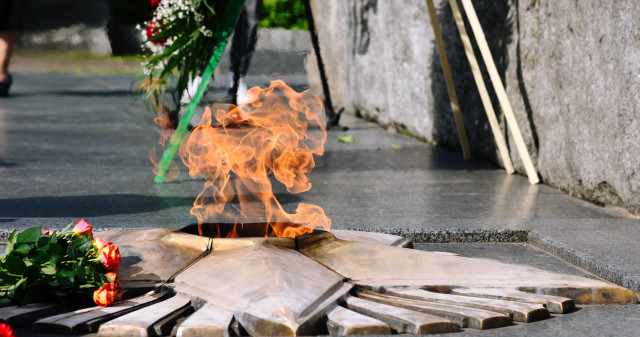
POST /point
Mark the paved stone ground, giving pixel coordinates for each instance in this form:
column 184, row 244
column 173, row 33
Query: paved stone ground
column 76, row 146
column 75, row 63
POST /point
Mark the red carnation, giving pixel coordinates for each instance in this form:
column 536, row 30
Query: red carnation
column 154, row 2
column 152, row 30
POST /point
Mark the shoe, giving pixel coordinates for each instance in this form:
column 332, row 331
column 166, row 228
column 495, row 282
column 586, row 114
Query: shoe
column 241, row 95
column 190, row 91
column 237, row 93
column 4, row 87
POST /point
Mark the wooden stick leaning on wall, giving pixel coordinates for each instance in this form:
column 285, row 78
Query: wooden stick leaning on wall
column 482, row 89
column 455, row 107
column 512, row 123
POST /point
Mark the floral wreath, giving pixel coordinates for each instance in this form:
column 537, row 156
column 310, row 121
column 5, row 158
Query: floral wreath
column 180, row 37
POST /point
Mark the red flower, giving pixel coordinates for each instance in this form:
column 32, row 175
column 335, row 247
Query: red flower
column 6, row 331
column 113, row 277
column 154, row 2
column 106, row 295
column 110, row 256
column 82, row 227
column 152, row 30
column 99, row 243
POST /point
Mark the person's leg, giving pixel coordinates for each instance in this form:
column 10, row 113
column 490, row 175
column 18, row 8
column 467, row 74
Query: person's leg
column 7, row 40
column 10, row 22
column 243, row 45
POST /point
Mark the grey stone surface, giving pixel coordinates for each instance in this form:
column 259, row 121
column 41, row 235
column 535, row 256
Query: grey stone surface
column 431, row 235
column 569, row 70
column 76, row 26
column 591, row 259
column 508, row 253
column 278, row 51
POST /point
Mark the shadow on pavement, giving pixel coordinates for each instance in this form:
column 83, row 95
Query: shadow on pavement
column 88, row 205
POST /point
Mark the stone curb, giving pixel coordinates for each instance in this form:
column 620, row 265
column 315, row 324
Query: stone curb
column 417, row 236
column 587, row 262
column 454, row 235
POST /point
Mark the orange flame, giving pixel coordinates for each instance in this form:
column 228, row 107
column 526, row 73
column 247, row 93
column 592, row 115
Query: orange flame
column 279, row 132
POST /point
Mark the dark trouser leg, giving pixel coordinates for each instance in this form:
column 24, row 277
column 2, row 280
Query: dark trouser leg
column 243, row 43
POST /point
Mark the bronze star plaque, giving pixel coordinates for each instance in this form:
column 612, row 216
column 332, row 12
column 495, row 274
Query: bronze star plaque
column 338, row 283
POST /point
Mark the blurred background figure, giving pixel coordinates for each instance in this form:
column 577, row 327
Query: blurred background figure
column 243, row 45
column 10, row 22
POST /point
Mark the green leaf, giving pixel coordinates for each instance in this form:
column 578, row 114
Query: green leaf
column 6, row 278
column 15, row 265
column 56, row 252
column 23, row 249
column 49, row 270
column 347, row 139
column 66, row 230
column 78, row 270
column 43, row 242
column 30, row 235
column 42, row 256
column 79, row 247
column 73, row 251
column 12, row 241
column 65, row 277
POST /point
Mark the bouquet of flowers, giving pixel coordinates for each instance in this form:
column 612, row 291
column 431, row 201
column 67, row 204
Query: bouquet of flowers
column 181, row 35
column 69, row 266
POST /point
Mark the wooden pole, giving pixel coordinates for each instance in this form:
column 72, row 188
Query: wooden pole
column 512, row 123
column 482, row 89
column 455, row 107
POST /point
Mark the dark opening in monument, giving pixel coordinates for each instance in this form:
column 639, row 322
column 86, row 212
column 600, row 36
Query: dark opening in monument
column 240, row 229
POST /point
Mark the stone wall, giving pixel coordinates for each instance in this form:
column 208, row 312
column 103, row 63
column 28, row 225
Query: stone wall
column 65, row 25
column 571, row 70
